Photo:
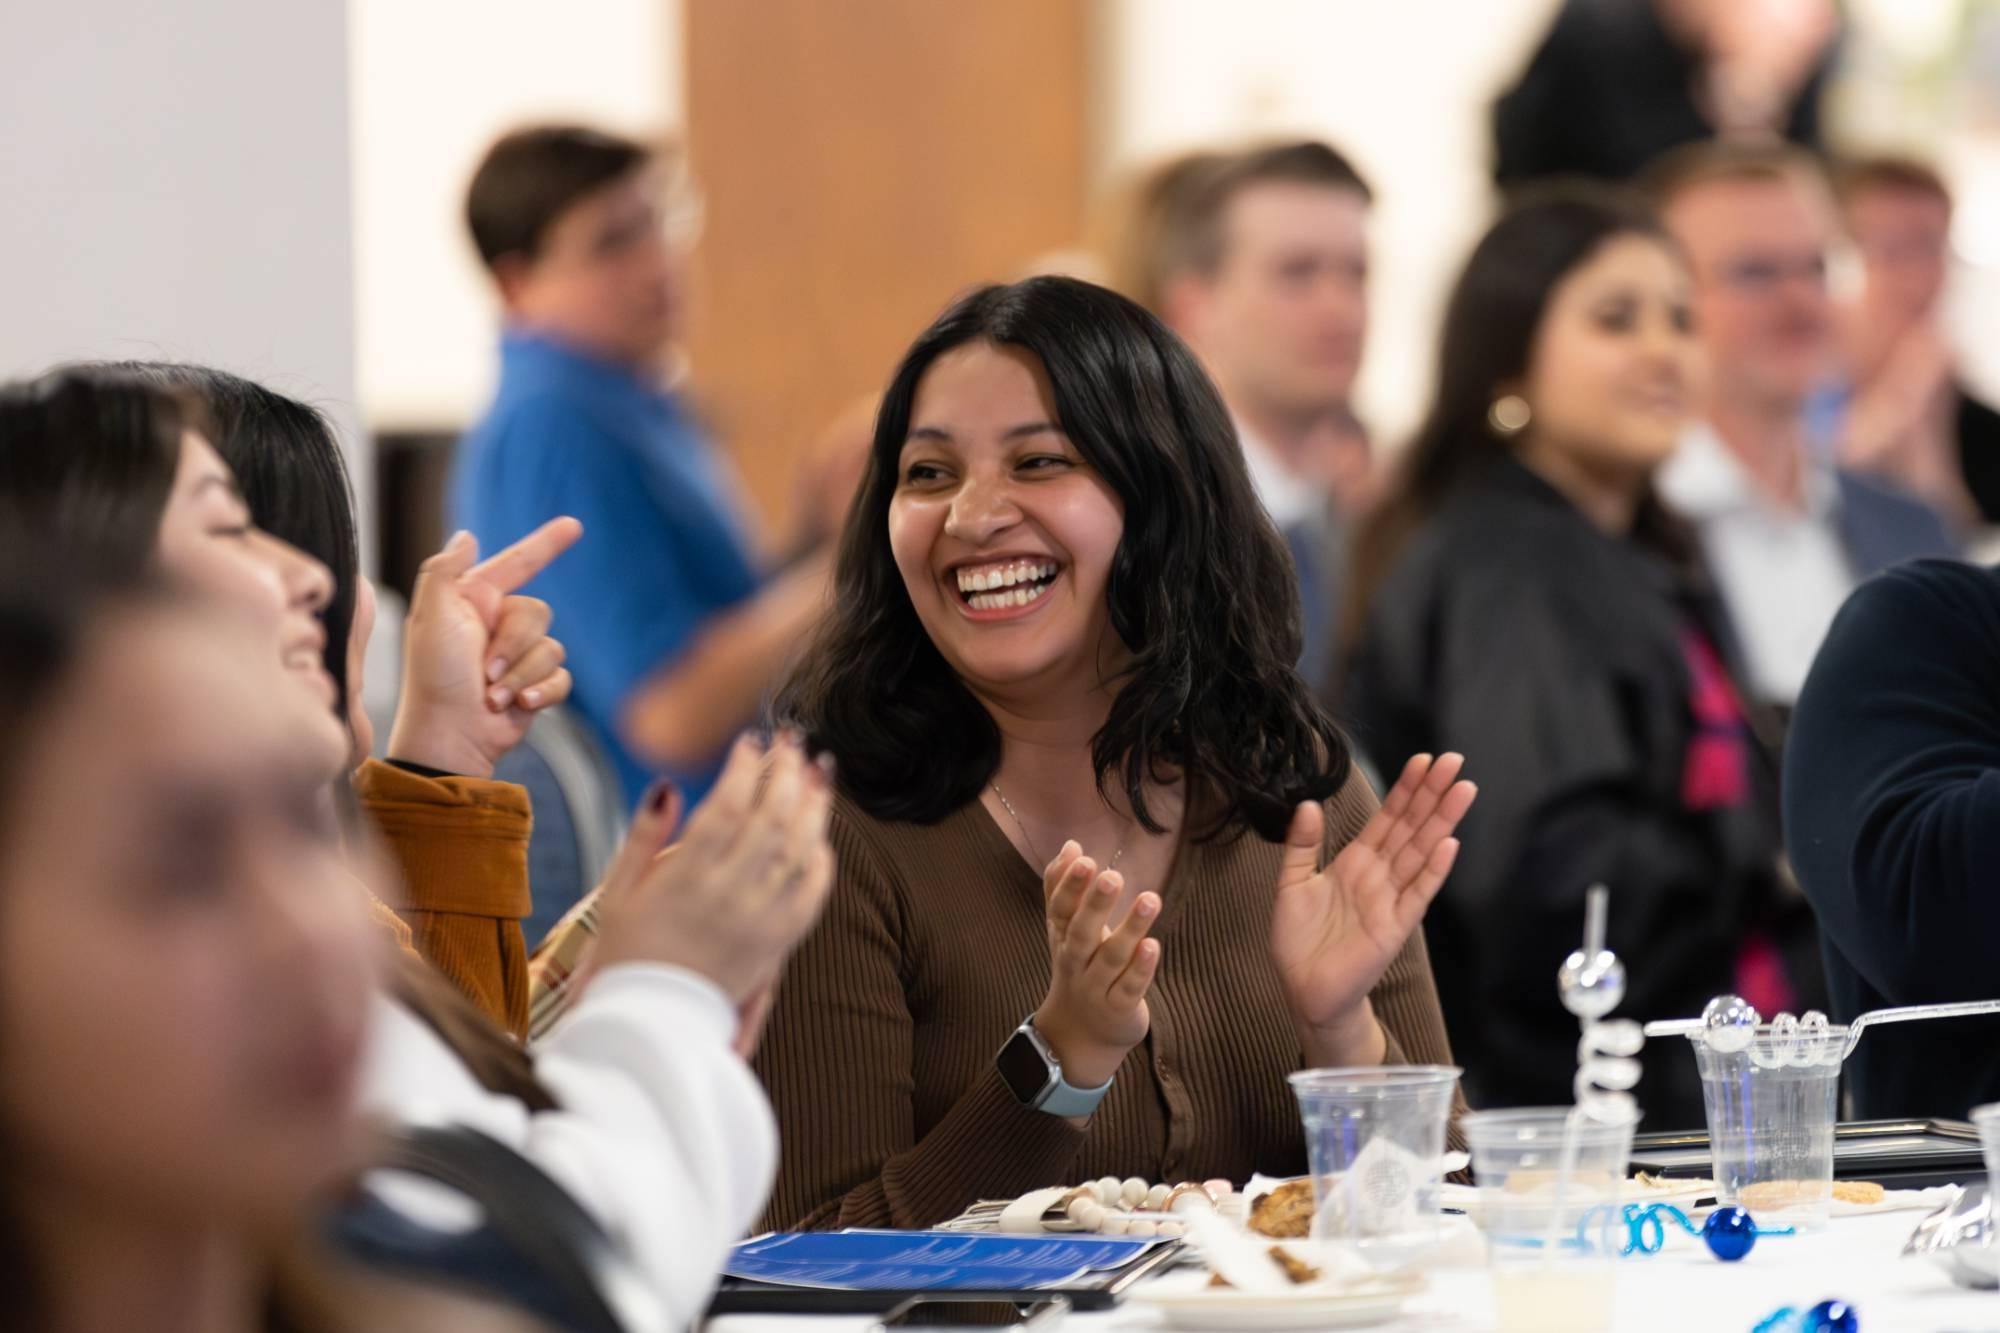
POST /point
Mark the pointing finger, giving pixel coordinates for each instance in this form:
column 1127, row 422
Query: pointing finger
column 513, row 567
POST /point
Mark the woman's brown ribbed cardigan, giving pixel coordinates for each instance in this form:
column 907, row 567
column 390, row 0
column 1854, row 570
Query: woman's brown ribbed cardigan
column 879, row 1055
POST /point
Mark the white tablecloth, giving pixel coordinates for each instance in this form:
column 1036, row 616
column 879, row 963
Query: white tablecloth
column 1683, row 1289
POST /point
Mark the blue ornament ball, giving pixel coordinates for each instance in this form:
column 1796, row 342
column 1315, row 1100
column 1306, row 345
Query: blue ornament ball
column 1832, row 1317
column 1729, row 1233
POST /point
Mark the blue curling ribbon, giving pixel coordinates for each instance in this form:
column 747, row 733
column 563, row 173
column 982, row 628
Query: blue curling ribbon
column 1826, row 1317
column 1729, row 1233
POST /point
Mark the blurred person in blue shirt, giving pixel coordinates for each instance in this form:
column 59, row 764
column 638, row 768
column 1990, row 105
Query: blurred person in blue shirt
column 674, row 626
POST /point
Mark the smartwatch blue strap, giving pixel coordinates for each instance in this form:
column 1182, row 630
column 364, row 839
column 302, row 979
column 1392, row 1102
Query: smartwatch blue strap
column 1065, row 1099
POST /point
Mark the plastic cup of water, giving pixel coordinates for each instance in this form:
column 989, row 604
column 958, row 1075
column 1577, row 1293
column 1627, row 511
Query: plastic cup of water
column 1374, row 1142
column 1771, row 1111
column 1550, row 1212
column 1987, row 1120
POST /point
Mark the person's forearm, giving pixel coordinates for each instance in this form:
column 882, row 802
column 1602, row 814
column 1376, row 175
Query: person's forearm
column 1356, row 1039
column 668, row 1139
column 419, row 738
column 684, row 716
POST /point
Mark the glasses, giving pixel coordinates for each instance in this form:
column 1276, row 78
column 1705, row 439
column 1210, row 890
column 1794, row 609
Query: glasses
column 1761, row 275
column 683, row 214
column 1906, row 250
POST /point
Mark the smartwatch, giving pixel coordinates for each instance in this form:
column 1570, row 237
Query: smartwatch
column 1033, row 1074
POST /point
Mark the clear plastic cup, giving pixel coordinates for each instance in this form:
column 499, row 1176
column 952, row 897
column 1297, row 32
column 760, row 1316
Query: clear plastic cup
column 1771, row 1111
column 1375, row 1143
column 1987, row 1120
column 1550, row 1214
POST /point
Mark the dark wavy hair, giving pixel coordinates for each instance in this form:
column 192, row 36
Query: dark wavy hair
column 1201, row 590
column 88, row 455
column 1490, row 324
column 289, row 466
column 87, row 461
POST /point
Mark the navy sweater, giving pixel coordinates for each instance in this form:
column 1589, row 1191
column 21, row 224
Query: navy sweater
column 1892, row 815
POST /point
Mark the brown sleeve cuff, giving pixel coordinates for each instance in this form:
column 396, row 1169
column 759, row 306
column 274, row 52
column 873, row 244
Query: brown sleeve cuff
column 461, row 843
column 988, row 1146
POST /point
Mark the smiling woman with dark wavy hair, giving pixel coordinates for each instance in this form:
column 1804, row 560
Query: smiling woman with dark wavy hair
column 1057, row 673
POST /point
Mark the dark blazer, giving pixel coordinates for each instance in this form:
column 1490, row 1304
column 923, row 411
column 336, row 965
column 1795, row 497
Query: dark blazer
column 1551, row 655
column 1978, row 428
column 1892, row 812
column 1881, row 526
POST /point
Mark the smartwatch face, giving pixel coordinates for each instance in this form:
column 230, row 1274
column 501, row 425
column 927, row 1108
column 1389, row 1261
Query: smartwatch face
column 1022, row 1068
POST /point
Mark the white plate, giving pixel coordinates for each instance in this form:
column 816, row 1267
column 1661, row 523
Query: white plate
column 1683, row 1194
column 1363, row 1305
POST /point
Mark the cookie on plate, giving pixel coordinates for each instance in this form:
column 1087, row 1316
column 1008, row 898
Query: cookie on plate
column 1285, row 1213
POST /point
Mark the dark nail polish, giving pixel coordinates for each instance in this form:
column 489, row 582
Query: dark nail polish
column 658, row 795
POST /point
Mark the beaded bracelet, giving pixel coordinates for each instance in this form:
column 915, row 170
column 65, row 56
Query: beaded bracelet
column 1113, row 1207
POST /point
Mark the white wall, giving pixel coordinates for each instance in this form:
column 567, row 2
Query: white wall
column 1401, row 87
column 173, row 183
column 435, row 81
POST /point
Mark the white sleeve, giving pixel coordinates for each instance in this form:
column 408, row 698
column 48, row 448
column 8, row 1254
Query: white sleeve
column 662, row 1132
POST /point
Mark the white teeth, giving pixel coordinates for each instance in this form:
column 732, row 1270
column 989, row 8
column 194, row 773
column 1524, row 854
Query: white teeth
column 1004, row 576
column 1006, row 598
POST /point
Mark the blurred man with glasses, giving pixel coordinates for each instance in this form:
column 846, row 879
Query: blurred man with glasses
column 1787, row 534
column 1905, row 414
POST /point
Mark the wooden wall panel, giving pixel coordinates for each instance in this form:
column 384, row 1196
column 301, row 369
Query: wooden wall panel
column 863, row 162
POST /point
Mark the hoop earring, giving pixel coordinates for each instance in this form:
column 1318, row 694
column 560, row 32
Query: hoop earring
column 1509, row 414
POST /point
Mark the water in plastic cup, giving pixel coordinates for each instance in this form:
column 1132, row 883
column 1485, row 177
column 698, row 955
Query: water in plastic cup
column 1551, row 1215
column 1374, row 1140
column 1987, row 1119
column 1771, row 1111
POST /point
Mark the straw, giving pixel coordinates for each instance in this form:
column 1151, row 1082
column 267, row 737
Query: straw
column 1596, row 906
column 1910, row 1013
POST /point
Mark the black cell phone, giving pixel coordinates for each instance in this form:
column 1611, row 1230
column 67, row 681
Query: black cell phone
column 943, row 1312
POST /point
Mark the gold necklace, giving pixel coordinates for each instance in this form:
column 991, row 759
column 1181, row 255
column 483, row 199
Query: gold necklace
column 1015, row 815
